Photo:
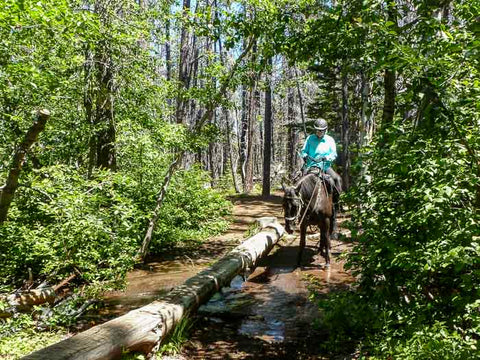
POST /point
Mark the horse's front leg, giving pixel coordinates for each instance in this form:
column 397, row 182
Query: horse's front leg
column 303, row 236
column 325, row 240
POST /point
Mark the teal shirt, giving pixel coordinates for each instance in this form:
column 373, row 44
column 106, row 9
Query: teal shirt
column 318, row 148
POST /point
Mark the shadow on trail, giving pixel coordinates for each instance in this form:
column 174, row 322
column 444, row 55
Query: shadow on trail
column 270, row 315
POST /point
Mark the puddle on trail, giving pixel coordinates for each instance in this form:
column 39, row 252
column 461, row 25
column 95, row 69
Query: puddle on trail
column 145, row 285
column 273, row 305
column 159, row 276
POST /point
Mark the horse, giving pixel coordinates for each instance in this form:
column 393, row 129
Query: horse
column 310, row 202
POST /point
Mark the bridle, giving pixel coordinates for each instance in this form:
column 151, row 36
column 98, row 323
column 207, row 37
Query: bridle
column 296, row 199
column 299, row 199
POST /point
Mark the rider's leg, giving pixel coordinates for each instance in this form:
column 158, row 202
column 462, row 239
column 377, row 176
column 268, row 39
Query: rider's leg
column 336, row 178
column 336, row 195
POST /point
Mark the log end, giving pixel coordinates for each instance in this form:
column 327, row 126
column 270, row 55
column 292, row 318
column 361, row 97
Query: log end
column 43, row 112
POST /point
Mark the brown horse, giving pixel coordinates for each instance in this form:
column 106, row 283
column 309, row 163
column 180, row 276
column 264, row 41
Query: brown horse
column 310, row 202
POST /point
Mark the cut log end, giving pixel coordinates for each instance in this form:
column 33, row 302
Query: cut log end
column 43, row 112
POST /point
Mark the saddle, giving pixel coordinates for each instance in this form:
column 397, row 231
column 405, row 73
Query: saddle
column 330, row 183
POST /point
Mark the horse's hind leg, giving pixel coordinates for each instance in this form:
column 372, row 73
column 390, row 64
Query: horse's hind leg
column 303, row 236
column 325, row 240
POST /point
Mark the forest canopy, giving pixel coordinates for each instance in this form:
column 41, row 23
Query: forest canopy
column 158, row 109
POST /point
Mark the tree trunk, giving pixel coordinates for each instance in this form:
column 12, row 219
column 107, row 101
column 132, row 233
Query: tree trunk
column 88, row 97
column 389, row 79
column 345, row 135
column 144, row 328
column 252, row 110
column 230, row 151
column 183, row 66
column 243, row 135
column 267, row 142
column 300, row 100
column 8, row 190
column 142, row 253
column 292, row 134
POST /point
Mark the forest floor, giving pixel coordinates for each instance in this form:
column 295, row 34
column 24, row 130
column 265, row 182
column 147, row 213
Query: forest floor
column 271, row 315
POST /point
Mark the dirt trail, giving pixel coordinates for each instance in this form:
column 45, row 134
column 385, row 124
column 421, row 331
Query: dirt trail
column 269, row 316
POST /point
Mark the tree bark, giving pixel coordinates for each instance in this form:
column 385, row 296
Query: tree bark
column 144, row 328
column 104, row 107
column 292, row 134
column 8, row 190
column 267, row 143
column 345, row 135
column 389, row 79
column 183, row 67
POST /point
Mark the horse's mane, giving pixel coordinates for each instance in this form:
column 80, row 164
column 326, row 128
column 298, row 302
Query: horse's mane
column 306, row 185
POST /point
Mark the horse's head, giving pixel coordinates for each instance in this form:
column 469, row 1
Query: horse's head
column 292, row 204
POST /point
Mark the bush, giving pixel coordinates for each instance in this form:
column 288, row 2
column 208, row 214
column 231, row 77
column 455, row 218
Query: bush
column 62, row 222
column 192, row 211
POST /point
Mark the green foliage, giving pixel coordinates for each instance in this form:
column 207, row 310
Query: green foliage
column 64, row 223
column 15, row 346
column 192, row 210
column 416, row 208
column 174, row 342
column 418, row 255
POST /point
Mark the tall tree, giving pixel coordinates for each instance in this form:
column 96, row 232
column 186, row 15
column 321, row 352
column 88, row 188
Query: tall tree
column 267, row 126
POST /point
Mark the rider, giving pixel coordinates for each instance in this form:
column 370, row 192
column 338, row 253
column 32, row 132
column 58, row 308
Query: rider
column 320, row 151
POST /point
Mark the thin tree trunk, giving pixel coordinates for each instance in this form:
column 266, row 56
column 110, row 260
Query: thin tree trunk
column 250, row 137
column 300, row 99
column 8, row 190
column 267, row 143
column 183, row 66
column 243, row 135
column 389, row 79
column 292, row 135
column 104, row 117
column 88, row 104
column 230, row 151
column 168, row 56
column 142, row 253
column 345, row 134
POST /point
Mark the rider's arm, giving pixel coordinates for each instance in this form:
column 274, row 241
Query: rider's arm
column 304, row 153
column 332, row 154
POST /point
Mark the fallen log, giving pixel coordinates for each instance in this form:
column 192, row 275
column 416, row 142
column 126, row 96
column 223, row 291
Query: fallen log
column 143, row 329
column 24, row 300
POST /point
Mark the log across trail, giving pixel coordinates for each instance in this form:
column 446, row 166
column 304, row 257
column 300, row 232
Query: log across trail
column 143, row 329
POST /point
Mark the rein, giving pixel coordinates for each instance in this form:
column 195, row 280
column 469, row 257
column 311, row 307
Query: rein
column 308, row 205
column 293, row 218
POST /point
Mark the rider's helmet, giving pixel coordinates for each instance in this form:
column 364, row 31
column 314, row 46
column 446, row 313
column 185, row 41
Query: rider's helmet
column 320, row 124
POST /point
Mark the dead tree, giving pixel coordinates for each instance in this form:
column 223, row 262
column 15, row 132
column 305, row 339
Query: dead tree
column 7, row 191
